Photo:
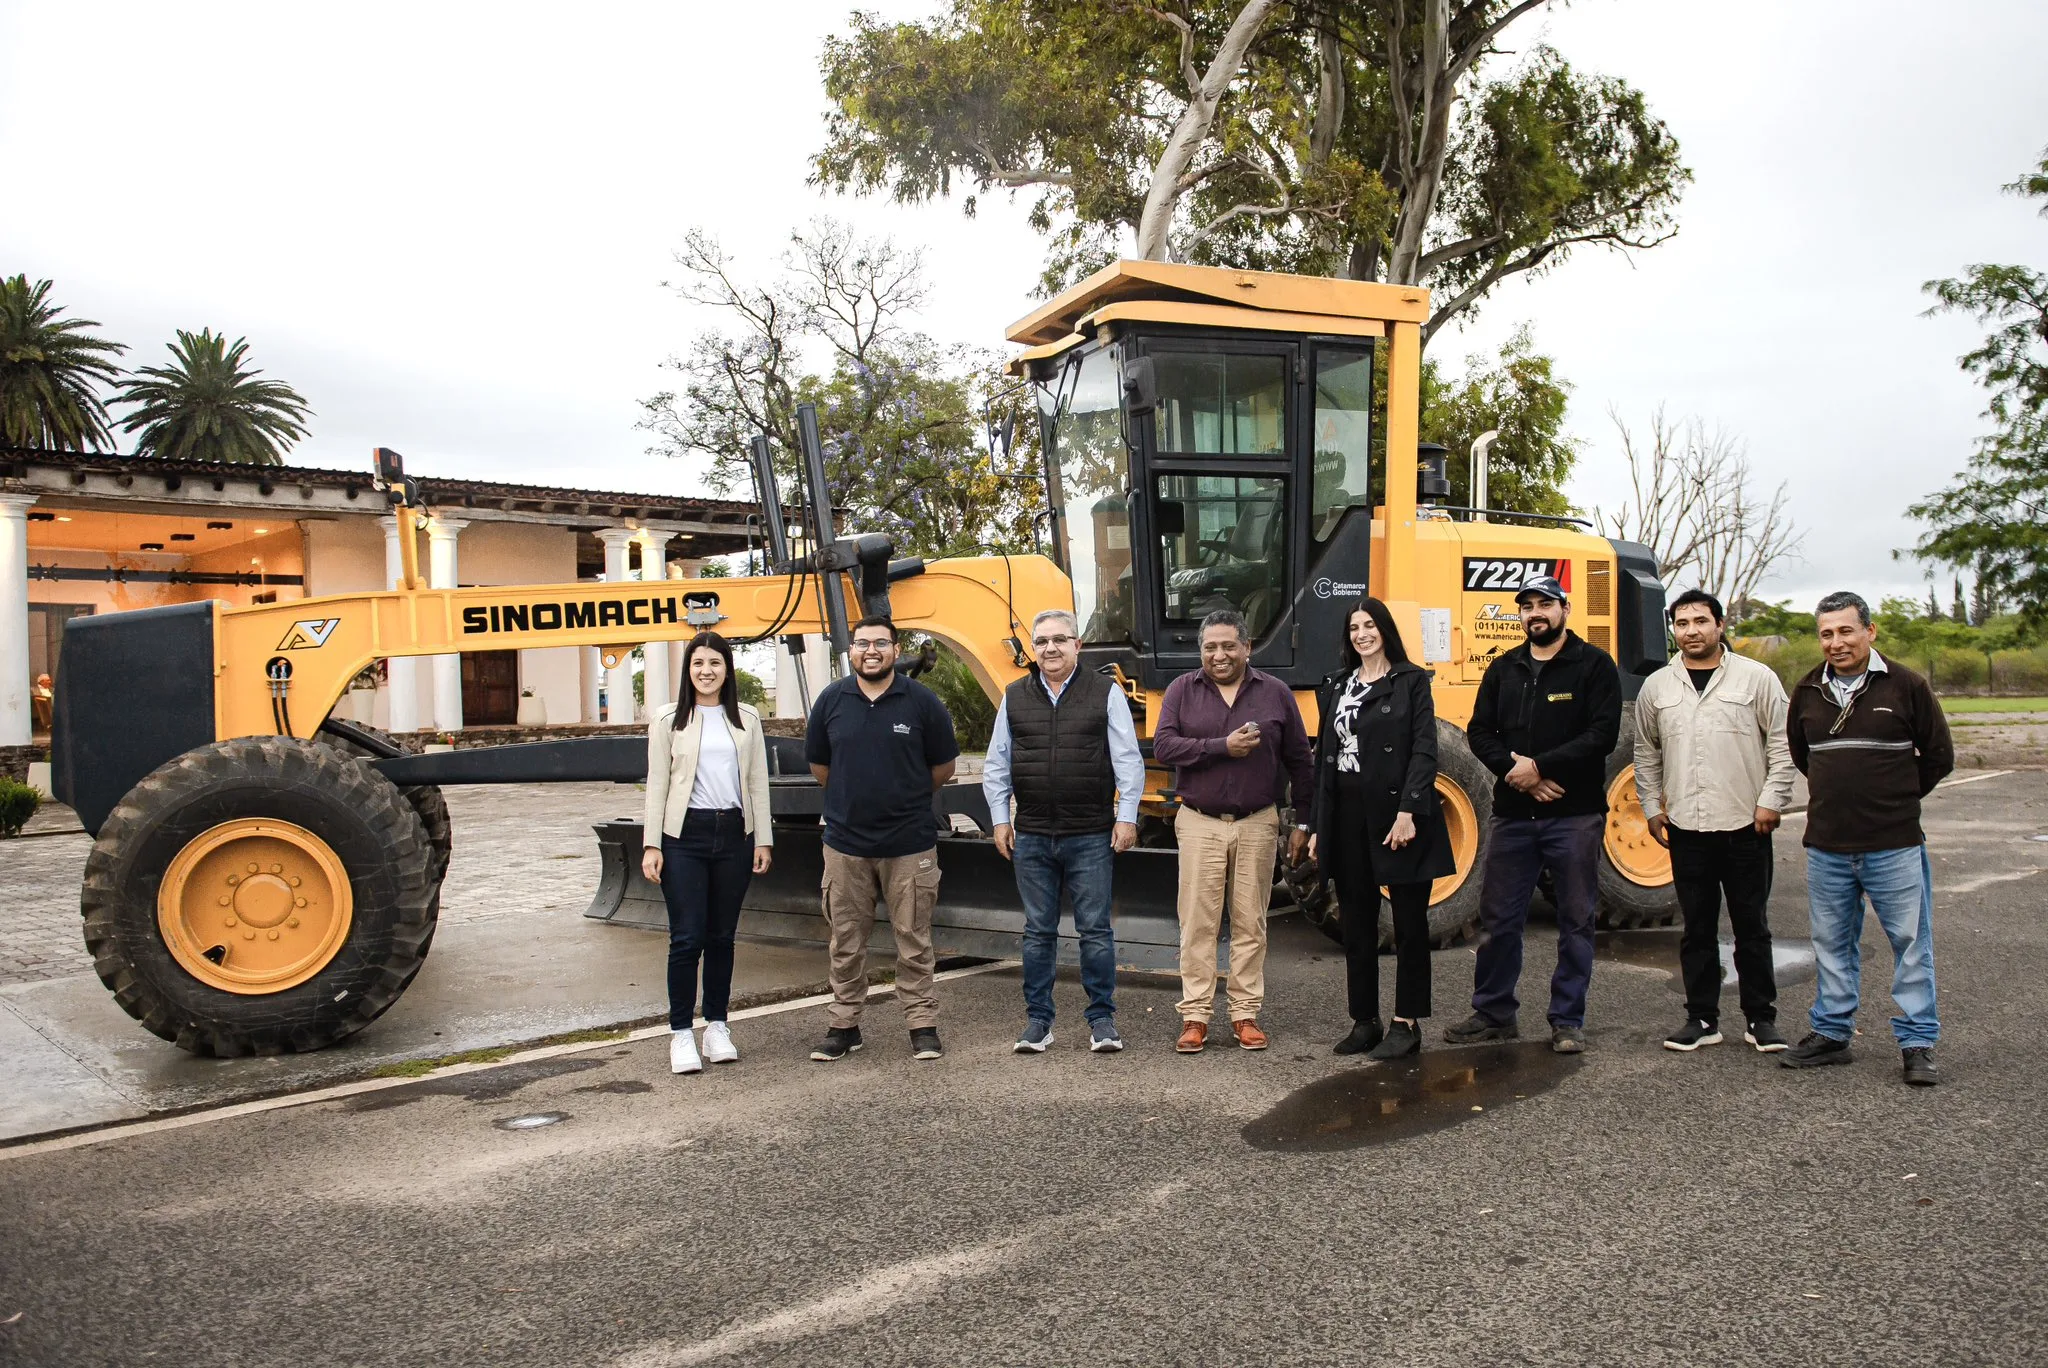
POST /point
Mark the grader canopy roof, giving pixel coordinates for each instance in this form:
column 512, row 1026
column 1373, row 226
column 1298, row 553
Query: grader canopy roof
column 1168, row 292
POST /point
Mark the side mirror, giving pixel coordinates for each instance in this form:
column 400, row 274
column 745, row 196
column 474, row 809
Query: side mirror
column 1170, row 517
column 1141, row 386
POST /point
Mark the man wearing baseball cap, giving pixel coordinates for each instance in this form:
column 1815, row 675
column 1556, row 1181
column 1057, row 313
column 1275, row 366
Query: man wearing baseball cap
column 1547, row 715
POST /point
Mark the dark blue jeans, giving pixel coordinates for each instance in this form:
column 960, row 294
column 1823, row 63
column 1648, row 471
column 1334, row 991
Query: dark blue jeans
column 1077, row 867
column 704, row 876
column 1518, row 849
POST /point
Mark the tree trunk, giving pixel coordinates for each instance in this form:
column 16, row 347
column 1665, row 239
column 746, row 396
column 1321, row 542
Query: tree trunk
column 1426, row 170
column 1192, row 129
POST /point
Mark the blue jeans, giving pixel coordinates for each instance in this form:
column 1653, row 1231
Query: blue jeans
column 1900, row 887
column 1079, row 868
column 1518, row 850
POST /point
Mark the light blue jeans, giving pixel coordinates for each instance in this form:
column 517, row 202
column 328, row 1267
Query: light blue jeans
column 1900, row 887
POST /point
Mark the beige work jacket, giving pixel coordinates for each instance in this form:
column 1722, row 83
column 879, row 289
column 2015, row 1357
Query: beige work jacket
column 672, row 774
column 1708, row 761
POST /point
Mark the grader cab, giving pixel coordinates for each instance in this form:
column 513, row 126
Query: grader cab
column 266, row 878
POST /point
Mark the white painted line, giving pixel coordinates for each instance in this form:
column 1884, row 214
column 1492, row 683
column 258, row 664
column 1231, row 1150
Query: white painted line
column 1973, row 779
column 369, row 1085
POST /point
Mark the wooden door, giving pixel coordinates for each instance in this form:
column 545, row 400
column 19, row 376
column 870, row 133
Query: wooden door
column 490, row 688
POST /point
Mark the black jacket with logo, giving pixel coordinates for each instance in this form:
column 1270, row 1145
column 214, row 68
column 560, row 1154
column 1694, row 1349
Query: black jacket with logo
column 1564, row 713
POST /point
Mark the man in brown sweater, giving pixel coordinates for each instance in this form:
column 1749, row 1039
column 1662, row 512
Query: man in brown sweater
column 1872, row 741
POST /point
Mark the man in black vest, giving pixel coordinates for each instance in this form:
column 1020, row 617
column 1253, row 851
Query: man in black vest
column 1065, row 748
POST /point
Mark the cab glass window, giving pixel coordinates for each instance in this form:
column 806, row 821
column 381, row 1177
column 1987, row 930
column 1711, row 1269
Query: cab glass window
column 1223, row 544
column 1088, row 443
column 1217, row 404
column 1343, row 437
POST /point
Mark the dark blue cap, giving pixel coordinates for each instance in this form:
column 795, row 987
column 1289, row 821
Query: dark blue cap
column 1545, row 585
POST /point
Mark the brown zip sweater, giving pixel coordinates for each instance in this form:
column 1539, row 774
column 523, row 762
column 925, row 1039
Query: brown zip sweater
column 1867, row 779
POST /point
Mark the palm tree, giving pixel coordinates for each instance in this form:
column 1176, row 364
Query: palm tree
column 207, row 408
column 49, row 367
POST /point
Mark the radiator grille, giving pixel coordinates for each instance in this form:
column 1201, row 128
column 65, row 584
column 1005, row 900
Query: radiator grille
column 1601, row 636
column 1600, row 587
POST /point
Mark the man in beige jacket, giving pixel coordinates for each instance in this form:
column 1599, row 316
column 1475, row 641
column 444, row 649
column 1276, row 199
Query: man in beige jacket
column 1714, row 772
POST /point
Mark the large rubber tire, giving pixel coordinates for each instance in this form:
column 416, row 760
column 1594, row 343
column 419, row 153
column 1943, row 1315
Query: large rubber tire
column 360, row 816
column 426, row 799
column 1630, row 862
column 1465, row 793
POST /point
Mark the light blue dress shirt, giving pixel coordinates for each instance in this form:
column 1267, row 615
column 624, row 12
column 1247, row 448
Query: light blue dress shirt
column 1124, row 756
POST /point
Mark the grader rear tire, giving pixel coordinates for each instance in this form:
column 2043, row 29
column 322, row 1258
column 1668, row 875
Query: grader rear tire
column 1635, row 872
column 426, row 799
column 259, row 896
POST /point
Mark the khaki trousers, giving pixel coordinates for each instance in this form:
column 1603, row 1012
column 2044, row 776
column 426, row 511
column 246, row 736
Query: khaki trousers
column 1225, row 866
column 909, row 884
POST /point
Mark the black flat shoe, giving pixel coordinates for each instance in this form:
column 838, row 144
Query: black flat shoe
column 1402, row 1039
column 1364, row 1035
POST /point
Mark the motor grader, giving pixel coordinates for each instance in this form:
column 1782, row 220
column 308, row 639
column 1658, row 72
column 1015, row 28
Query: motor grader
column 266, row 878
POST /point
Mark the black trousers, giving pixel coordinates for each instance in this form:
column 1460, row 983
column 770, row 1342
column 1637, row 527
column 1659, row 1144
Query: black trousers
column 704, row 878
column 1349, row 851
column 1704, row 866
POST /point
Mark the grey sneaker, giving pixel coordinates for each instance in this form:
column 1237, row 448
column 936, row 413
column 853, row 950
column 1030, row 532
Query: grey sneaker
column 924, row 1044
column 1103, row 1038
column 1037, row 1036
column 839, row 1042
column 1569, row 1040
column 1477, row 1027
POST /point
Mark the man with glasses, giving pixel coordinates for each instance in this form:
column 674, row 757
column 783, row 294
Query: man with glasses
column 1065, row 748
column 1872, row 741
column 881, row 745
column 1235, row 739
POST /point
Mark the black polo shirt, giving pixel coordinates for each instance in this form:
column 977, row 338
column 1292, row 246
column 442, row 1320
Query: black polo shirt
column 878, row 804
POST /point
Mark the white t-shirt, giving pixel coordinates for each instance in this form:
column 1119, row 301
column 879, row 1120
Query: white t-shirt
column 717, row 782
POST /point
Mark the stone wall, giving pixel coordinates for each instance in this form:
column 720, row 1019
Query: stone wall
column 14, row 760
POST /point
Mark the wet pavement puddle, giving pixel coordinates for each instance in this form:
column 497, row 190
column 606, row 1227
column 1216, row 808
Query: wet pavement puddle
column 1415, row 1096
column 486, row 1085
column 1791, row 959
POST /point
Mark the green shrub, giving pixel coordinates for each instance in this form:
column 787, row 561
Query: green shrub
column 753, row 692
column 18, row 803
column 1790, row 661
column 974, row 713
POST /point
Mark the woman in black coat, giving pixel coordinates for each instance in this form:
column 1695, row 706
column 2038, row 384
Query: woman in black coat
column 1377, row 823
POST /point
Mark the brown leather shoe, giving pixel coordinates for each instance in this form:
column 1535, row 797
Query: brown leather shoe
column 1249, row 1036
column 1193, row 1035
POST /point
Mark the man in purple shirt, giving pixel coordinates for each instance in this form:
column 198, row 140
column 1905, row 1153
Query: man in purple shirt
column 1229, row 732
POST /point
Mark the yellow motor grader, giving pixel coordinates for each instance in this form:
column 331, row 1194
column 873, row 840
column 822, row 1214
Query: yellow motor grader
column 266, row 878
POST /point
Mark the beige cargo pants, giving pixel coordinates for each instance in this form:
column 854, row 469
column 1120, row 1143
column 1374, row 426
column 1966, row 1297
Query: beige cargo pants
column 1226, row 867
column 909, row 884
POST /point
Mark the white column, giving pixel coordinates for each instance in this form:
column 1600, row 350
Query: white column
column 441, row 574
column 402, row 688
column 591, row 670
column 17, row 722
column 618, row 686
column 653, row 562
column 817, row 658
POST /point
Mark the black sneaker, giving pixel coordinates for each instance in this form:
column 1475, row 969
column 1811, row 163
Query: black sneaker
column 1816, row 1050
column 839, row 1042
column 924, row 1044
column 1920, row 1071
column 1403, row 1038
column 1364, row 1035
column 1692, row 1035
column 1766, row 1037
column 1478, row 1027
column 1567, row 1040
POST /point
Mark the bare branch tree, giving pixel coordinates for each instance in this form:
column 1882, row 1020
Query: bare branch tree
column 1692, row 502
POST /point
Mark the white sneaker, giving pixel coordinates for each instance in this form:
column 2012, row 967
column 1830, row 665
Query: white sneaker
column 682, row 1052
column 718, row 1046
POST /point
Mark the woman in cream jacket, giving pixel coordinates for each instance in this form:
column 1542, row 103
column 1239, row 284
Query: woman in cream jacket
column 707, row 833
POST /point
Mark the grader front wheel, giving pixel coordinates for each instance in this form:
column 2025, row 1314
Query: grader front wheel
column 259, row 896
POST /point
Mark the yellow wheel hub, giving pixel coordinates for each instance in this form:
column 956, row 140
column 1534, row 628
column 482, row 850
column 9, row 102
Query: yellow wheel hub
column 255, row 906
column 1461, row 823
column 1630, row 847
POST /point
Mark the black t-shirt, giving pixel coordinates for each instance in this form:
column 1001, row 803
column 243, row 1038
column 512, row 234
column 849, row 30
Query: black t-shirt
column 878, row 803
column 1700, row 678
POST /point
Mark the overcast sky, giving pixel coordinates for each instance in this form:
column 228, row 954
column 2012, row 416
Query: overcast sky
column 447, row 225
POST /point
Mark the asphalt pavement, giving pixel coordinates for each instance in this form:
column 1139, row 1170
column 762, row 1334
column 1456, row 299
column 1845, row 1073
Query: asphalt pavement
column 1487, row 1205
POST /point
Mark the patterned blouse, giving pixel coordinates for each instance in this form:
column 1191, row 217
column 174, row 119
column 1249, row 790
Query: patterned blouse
column 1344, row 721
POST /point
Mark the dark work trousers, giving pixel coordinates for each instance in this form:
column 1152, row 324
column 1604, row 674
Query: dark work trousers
column 1704, row 865
column 1518, row 850
column 1358, row 895
column 704, row 875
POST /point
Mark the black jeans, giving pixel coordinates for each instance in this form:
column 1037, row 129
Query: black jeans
column 1704, row 865
column 1358, row 895
column 704, row 876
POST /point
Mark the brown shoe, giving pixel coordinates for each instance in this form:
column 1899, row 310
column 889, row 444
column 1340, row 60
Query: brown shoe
column 1249, row 1036
column 1193, row 1035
